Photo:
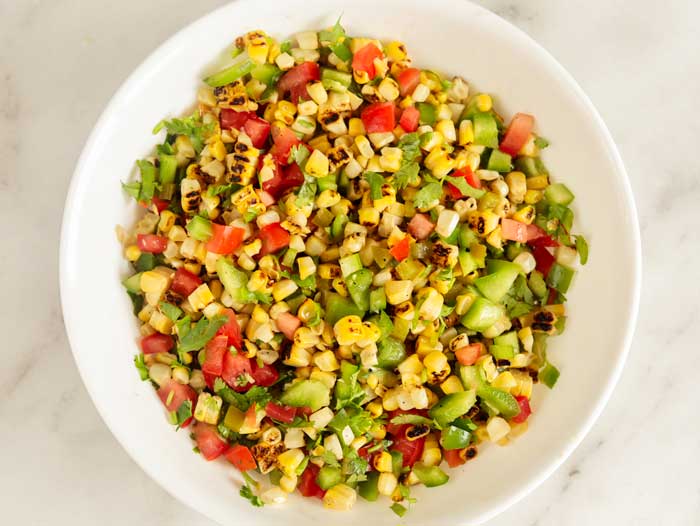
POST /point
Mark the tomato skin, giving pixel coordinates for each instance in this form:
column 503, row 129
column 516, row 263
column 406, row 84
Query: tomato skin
column 517, row 133
column 258, row 130
column 210, row 444
column 264, row 376
column 231, row 329
column 363, row 59
column 225, row 239
column 156, row 343
column 543, row 259
column 525, row 410
column 453, row 458
column 469, row 354
column 408, row 79
column 180, row 394
column 537, row 236
column 273, row 238
column 288, row 324
column 420, row 226
column 214, row 351
column 284, row 140
column 296, row 79
column 235, row 366
column 401, row 249
column 307, row 482
column 410, row 449
column 409, row 119
column 184, row 282
column 160, row 204
column 379, row 117
column 230, row 119
column 241, row 457
column 285, row 178
column 513, row 230
column 281, row 413
column 152, row 243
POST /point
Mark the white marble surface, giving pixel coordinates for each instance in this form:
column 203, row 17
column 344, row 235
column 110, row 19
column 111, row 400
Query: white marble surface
column 61, row 60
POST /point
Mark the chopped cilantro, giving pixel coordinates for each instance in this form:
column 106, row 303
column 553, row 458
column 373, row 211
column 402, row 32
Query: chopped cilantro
column 541, row 143
column 141, row 366
column 582, row 249
column 307, row 192
column 298, row 153
column 183, row 413
column 133, row 189
column 198, row 336
column 408, row 172
column 191, row 127
column 428, row 196
column 375, row 182
column 170, row 310
column 247, row 491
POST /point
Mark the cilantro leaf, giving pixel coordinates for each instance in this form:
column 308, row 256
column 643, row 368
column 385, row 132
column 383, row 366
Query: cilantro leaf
column 409, row 145
column 286, row 46
column 541, row 143
column 329, row 458
column 383, row 445
column 198, row 336
column 463, row 186
column 217, row 189
column 582, row 249
column 230, row 396
column 406, row 175
column 375, row 182
column 183, row 413
column 228, row 434
column 354, row 466
column 408, row 172
column 148, row 180
column 170, row 310
column 411, row 419
column 258, row 395
column 334, row 35
column 191, row 126
column 247, row 492
column 141, row 367
column 298, row 153
column 307, row 192
column 428, row 196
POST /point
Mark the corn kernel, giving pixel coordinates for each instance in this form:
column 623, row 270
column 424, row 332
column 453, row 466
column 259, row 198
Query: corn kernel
column 452, row 385
column 132, row 253
column 484, row 102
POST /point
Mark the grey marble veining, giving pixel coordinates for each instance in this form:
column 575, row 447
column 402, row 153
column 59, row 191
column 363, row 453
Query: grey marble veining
column 60, row 62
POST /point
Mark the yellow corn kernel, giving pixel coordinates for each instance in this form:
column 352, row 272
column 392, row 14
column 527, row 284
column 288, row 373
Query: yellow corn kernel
column 497, row 428
column 386, row 483
column 283, row 288
column 431, row 455
column 326, row 361
column 132, row 252
column 340, row 497
column 382, row 462
column 289, row 461
column 193, row 267
column 447, row 129
column 356, row 127
column 177, row 234
column 375, row 409
column 436, row 366
column 348, row 330
column 154, row 281
column 329, row 271
column 298, row 357
column 495, row 238
column 368, row 217
column 533, row 197
column 390, row 160
column 525, row 215
column 505, row 381
column 288, row 483
column 307, row 267
column 166, row 222
column 317, row 164
column 257, row 46
column 412, row 364
column 317, row 92
column 484, row 102
column 452, row 385
column 396, row 51
column 200, row 297
column 160, row 322
column 217, row 149
column 364, row 147
column 398, row 291
column 466, row 132
column 539, row 182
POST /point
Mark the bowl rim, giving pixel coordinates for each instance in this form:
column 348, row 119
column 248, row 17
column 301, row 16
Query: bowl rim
column 76, row 191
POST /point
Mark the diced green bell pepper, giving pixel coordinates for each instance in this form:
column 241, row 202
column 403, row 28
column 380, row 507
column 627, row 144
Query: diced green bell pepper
column 502, row 352
column 558, row 193
column 559, row 277
column 338, row 226
column 329, row 476
column 377, row 300
column 167, row 168
column 268, row 74
column 481, row 315
column 383, row 321
column 431, row 476
column 485, row 130
column 396, row 462
column 428, row 113
column 307, row 393
column 358, row 284
column 467, row 262
column 527, row 166
column 537, row 284
column 390, row 353
column 145, row 262
column 510, row 339
column 199, row 228
column 338, row 307
column 335, row 80
column 133, row 283
column 495, row 286
column 328, row 182
column 275, row 477
column 368, row 489
column 230, row 74
column 409, row 269
column 499, row 161
column 401, row 328
column 452, row 406
column 497, row 265
column 501, row 401
column 548, row 375
column 453, row 437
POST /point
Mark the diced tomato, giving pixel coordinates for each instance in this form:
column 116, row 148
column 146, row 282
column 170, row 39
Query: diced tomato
column 470, row 177
column 285, row 178
column 304, row 411
column 307, row 482
column 237, row 371
column 209, row 443
column 210, row 379
column 214, row 352
column 363, row 452
column 513, row 230
column 264, row 376
column 543, row 259
column 184, row 282
column 231, row 329
column 225, row 239
column 409, row 119
column 173, row 394
column 241, row 457
column 525, row 410
column 258, row 130
column 152, row 243
column 537, row 236
column 410, row 449
column 401, row 249
column 288, row 323
column 281, row 413
column 453, row 457
column 230, row 119
column 273, row 238
column 296, row 79
column 156, row 342
column 284, row 140
column 469, row 354
column 454, row 191
column 363, row 59
column 160, row 204
column 420, row 226
column 517, row 133
column 379, row 117
column 552, row 297
column 408, row 79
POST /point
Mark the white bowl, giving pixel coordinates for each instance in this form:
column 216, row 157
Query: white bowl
column 452, row 37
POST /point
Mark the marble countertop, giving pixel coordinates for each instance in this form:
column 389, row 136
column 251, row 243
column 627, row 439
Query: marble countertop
column 60, row 61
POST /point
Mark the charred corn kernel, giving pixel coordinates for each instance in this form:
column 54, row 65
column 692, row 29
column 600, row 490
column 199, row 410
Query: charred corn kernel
column 177, row 234
column 517, row 186
column 132, row 252
column 348, row 330
column 160, row 322
column 484, row 102
column 375, row 409
column 382, row 462
column 317, row 92
column 447, row 129
column 317, row 164
column 283, row 288
column 525, row 215
column 298, row 357
column 439, row 162
column 436, row 366
column 497, row 428
column 396, row 51
column 398, row 291
column 364, row 147
column 420, row 93
column 356, row 127
column 166, row 222
column 308, row 107
column 523, row 384
column 388, row 89
column 533, row 197
column 368, row 217
column 411, row 365
column 217, row 149
column 190, row 191
column 495, row 238
column 361, row 76
column 390, row 160
column 483, row 222
column 538, row 182
column 387, row 483
column 289, row 461
column 340, row 497
column 326, row 361
column 329, row 271
column 452, row 385
column 193, row 267
column 285, row 112
column 256, row 46
column 327, row 198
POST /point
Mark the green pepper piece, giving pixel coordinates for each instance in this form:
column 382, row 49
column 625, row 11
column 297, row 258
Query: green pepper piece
column 560, row 277
column 338, row 307
column 485, row 130
column 338, row 226
column 289, row 257
column 401, row 329
column 146, row 261
column 495, row 286
column 168, row 168
column 481, row 315
column 368, row 489
column 500, row 400
column 452, row 407
column 377, row 300
column 307, row 393
column 431, row 476
column 384, row 323
column 537, row 284
column 342, row 51
column 335, row 80
column 428, row 113
column 230, row 74
column 548, row 375
column 329, row 476
column 275, row 477
column 199, row 228
column 497, row 265
column 453, row 437
column 467, row 262
column 526, row 165
column 509, row 339
column 358, row 284
column 502, row 352
column 558, row 193
column 396, row 462
column 390, row 353
column 499, row 161
column 268, row 74
column 327, row 183
column 148, row 180
column 133, row 283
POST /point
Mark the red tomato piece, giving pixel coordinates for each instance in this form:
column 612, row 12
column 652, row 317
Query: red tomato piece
column 453, row 457
column 525, row 410
column 288, row 324
column 363, row 452
column 241, row 457
column 225, row 239
column 184, row 282
column 281, row 413
column 173, row 394
column 408, row 79
column 237, row 371
column 454, row 191
column 156, row 343
column 273, row 238
column 285, row 178
column 264, row 376
column 513, row 230
column 258, row 130
column 210, row 379
column 469, row 354
column 231, row 329
column 410, row 449
column 543, row 259
column 152, row 243
column 409, row 119
column 284, row 140
column 363, row 60
column 296, row 79
column 379, row 117
column 517, row 133
column 307, row 482
column 210, row 444
column 215, row 350
column 160, row 204
column 229, row 119
column 304, row 411
column 401, row 249
column 420, row 226
column 537, row 236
